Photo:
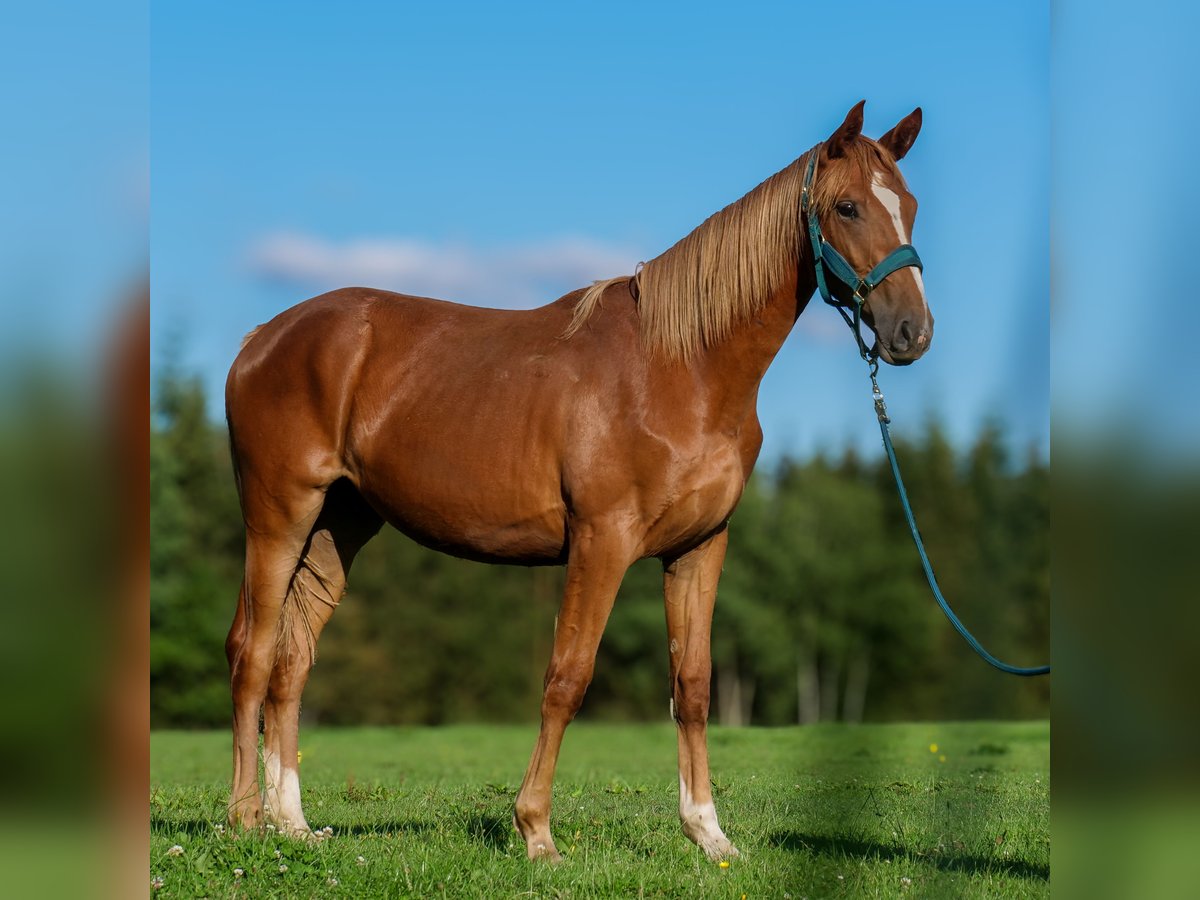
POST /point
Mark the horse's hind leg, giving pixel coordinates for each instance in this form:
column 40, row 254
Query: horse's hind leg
column 346, row 523
column 276, row 533
column 690, row 587
column 597, row 561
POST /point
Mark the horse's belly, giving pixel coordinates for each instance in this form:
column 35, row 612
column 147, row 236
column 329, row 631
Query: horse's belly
column 519, row 543
column 481, row 523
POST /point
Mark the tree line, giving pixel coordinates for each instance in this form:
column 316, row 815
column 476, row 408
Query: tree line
column 822, row 614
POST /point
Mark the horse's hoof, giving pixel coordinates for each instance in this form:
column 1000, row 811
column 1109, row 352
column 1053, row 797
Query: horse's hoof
column 543, row 849
column 301, row 832
column 720, row 850
column 537, row 847
column 544, row 852
column 245, row 818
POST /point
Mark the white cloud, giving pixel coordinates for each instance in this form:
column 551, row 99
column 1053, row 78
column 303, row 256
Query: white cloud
column 514, row 276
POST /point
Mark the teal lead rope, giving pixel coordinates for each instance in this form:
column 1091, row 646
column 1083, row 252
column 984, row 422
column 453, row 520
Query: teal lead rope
column 881, row 414
column 827, row 263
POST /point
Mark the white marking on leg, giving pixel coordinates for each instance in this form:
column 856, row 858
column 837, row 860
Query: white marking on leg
column 700, row 824
column 281, row 800
column 891, row 202
column 290, row 813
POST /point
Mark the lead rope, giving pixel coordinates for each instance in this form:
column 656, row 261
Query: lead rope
column 882, row 414
column 825, row 256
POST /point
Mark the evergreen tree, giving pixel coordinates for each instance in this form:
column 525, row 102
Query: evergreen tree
column 822, row 613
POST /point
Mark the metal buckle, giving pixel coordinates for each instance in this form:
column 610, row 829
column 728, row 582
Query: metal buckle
column 876, row 394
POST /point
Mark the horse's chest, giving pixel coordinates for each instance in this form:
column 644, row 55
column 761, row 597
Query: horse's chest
column 696, row 497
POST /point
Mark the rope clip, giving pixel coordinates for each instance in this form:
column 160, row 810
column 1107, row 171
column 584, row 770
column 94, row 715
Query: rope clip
column 877, row 395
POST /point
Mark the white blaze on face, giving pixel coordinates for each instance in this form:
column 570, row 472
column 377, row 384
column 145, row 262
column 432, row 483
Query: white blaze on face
column 891, row 202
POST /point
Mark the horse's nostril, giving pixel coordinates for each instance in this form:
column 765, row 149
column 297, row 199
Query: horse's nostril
column 906, row 330
column 904, row 335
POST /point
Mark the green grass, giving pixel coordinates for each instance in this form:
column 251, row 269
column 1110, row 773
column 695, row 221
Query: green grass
column 820, row 811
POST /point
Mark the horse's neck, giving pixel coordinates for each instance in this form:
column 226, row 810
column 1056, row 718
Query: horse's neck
column 734, row 368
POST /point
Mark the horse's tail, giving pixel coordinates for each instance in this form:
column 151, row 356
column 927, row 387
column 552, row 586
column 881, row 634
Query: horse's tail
column 237, row 472
column 233, row 456
column 249, row 337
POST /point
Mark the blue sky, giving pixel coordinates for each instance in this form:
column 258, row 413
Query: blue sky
column 74, row 196
column 1126, row 187
column 505, row 154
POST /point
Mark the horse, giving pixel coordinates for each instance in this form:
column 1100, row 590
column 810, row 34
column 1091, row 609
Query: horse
column 616, row 423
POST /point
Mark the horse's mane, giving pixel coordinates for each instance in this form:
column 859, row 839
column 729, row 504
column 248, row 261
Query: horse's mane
column 725, row 270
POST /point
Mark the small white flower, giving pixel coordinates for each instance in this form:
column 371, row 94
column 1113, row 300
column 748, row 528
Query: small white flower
column 327, row 829
column 278, row 854
column 283, row 867
column 238, row 873
column 176, row 850
column 155, row 883
column 332, row 882
column 360, row 860
column 220, row 829
column 906, row 881
column 841, row 878
column 270, row 827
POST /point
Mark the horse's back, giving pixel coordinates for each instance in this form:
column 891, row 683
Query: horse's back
column 436, row 411
column 307, row 357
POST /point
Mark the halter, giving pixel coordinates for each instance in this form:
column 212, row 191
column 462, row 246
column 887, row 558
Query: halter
column 828, row 262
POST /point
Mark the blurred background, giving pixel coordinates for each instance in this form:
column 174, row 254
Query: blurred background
column 503, row 156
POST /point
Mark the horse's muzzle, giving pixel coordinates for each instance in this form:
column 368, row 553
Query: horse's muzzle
column 908, row 343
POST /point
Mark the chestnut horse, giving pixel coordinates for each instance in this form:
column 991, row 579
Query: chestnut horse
column 614, row 424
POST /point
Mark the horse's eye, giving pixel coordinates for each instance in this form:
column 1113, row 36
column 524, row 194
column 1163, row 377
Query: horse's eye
column 847, row 210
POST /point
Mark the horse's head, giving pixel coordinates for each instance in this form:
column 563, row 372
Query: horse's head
column 866, row 212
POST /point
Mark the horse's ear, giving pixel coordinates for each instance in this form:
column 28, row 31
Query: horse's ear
column 900, row 139
column 846, row 132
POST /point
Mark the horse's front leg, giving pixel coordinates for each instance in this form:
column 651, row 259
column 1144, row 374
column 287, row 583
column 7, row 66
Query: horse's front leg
column 598, row 558
column 690, row 588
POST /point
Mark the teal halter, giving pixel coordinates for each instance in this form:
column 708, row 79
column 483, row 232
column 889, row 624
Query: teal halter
column 827, row 262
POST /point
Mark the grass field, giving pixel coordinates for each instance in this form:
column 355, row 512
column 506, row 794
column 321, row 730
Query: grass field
column 820, row 811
